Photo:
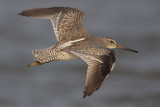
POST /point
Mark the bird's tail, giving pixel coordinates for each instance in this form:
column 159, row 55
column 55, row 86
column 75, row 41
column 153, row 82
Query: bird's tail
column 45, row 55
column 50, row 54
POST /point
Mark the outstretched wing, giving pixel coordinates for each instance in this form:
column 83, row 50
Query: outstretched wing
column 66, row 21
column 98, row 69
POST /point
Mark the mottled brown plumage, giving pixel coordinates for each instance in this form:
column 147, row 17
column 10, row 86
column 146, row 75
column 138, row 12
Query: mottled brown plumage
column 75, row 42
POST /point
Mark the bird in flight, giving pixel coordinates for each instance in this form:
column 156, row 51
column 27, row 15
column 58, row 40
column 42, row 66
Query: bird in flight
column 74, row 42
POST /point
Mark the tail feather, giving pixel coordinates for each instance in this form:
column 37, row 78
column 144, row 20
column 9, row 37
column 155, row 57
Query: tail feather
column 45, row 55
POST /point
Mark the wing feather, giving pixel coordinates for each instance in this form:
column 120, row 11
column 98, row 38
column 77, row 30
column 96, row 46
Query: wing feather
column 97, row 71
column 66, row 21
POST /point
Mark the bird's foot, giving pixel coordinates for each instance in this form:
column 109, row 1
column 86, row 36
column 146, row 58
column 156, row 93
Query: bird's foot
column 35, row 64
column 38, row 63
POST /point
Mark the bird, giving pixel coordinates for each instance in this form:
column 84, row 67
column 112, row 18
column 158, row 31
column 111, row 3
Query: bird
column 74, row 42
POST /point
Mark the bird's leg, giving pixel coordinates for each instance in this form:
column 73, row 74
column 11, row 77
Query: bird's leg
column 35, row 64
column 38, row 63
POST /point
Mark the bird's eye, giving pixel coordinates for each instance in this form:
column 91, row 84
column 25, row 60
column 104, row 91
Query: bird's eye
column 112, row 41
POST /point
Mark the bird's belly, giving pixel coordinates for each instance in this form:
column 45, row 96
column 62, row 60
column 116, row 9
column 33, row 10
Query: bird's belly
column 68, row 56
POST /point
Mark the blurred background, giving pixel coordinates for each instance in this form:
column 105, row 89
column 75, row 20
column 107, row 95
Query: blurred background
column 134, row 82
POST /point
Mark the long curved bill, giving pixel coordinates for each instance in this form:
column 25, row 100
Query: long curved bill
column 124, row 48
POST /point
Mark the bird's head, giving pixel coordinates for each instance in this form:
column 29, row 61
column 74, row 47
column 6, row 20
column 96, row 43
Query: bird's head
column 110, row 43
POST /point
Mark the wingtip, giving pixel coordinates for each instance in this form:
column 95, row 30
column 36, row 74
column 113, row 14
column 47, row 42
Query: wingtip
column 84, row 96
column 21, row 13
column 24, row 13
